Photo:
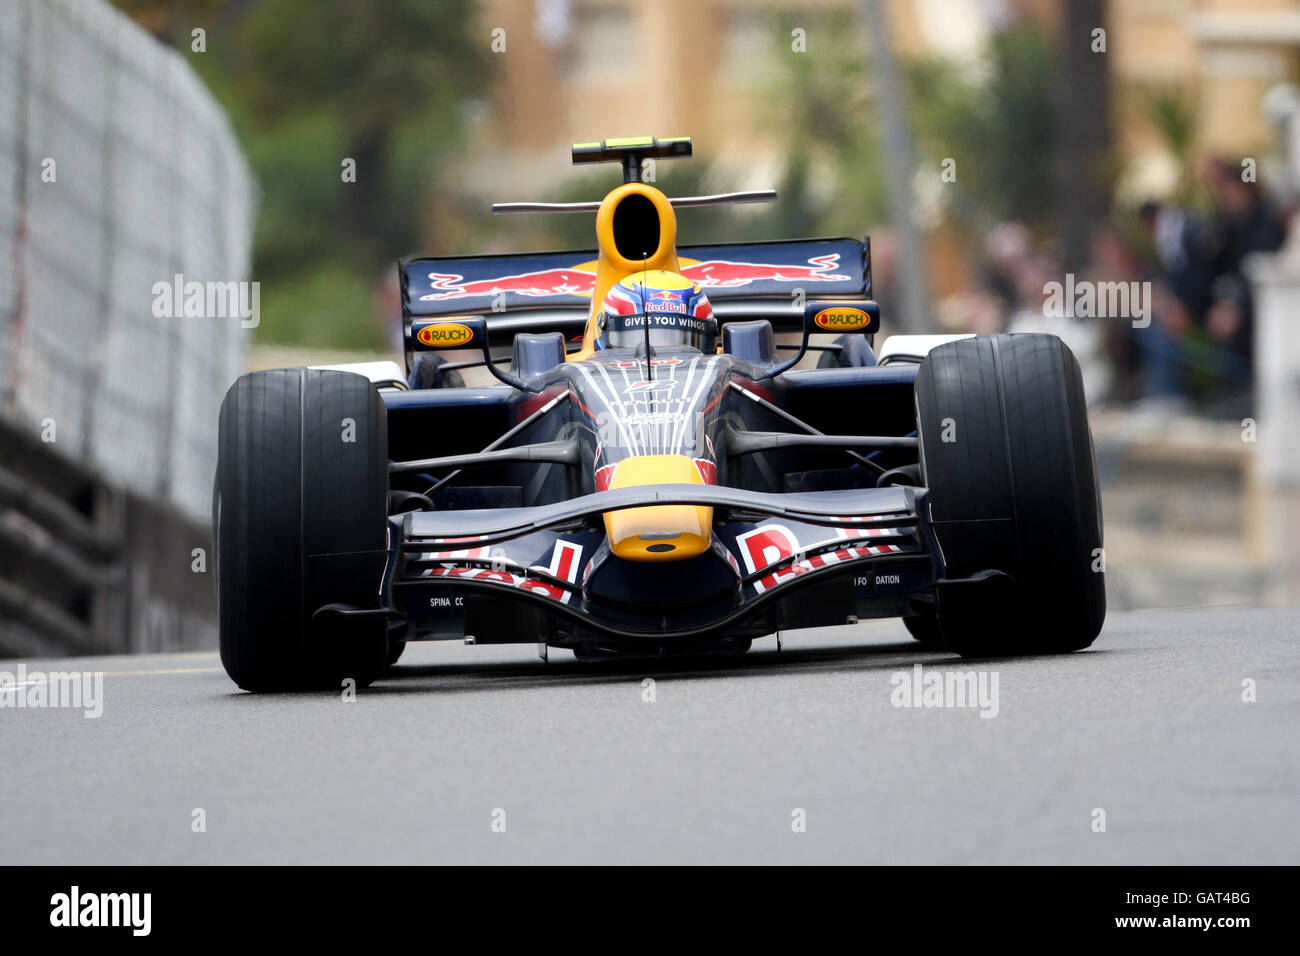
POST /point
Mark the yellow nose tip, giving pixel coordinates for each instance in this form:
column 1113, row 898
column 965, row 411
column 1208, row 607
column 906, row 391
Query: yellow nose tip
column 659, row 532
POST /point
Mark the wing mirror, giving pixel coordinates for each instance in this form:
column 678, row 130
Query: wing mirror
column 465, row 332
column 836, row 318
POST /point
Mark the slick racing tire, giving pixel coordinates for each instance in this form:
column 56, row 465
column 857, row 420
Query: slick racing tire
column 300, row 519
column 1008, row 460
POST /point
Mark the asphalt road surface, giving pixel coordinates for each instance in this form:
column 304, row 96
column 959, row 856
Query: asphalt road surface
column 792, row 757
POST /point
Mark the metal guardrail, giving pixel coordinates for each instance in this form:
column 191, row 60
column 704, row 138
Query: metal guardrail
column 87, row 568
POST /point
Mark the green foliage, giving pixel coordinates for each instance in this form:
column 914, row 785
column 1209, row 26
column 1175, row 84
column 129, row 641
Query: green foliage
column 834, row 181
column 309, row 85
column 1172, row 112
column 301, row 196
column 330, row 305
column 996, row 121
column 371, row 64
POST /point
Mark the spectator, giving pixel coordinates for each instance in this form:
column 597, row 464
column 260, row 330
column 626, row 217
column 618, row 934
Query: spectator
column 1199, row 345
column 1245, row 222
column 1113, row 259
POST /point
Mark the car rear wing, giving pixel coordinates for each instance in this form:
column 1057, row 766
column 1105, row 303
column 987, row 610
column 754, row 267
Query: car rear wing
column 558, row 285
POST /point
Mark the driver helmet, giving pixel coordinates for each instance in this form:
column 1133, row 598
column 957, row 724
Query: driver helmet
column 674, row 308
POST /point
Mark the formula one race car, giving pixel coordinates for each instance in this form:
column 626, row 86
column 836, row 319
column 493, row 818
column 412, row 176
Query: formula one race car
column 653, row 475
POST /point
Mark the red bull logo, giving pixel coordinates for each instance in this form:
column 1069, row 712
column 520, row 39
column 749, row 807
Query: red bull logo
column 665, row 301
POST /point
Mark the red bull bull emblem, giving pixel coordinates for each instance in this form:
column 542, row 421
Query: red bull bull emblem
column 665, row 301
column 547, row 282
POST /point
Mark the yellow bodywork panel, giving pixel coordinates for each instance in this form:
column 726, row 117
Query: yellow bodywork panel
column 659, row 532
column 612, row 267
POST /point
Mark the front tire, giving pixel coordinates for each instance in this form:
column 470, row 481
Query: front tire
column 300, row 519
column 1007, row 457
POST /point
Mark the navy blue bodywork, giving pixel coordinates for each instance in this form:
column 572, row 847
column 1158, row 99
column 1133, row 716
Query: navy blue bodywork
column 802, row 537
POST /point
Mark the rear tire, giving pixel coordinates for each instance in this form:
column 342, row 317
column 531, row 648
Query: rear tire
column 300, row 520
column 855, row 352
column 429, row 373
column 1007, row 457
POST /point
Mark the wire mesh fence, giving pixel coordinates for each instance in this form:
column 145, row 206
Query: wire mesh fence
column 118, row 173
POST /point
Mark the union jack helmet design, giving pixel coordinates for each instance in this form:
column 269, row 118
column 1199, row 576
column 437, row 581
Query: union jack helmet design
column 674, row 309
